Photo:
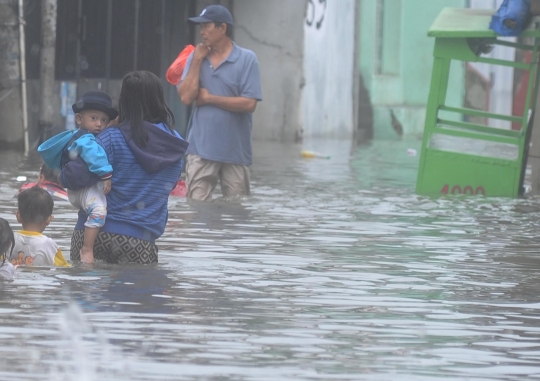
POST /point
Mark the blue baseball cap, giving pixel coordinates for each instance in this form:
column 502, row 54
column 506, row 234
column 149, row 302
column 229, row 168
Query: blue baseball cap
column 213, row 13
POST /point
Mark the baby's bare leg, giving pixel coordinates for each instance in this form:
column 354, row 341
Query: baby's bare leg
column 96, row 206
column 87, row 251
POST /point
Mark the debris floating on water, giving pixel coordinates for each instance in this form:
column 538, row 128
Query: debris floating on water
column 21, row 178
column 311, row 155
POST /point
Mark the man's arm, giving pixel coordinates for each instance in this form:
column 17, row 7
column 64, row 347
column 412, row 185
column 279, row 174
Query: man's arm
column 189, row 86
column 234, row 104
column 250, row 91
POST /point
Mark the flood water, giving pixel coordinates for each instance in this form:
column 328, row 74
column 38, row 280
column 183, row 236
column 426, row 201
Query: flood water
column 332, row 270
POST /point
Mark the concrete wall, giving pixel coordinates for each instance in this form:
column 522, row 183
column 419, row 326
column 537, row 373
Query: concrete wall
column 11, row 129
column 396, row 58
column 329, row 41
column 274, row 31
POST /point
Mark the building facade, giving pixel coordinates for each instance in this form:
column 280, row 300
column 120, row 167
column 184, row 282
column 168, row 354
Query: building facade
column 395, row 58
column 329, row 68
column 97, row 43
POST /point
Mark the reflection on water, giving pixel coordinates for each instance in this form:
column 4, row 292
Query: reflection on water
column 333, row 270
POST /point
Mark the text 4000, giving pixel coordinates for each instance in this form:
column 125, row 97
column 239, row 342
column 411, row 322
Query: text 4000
column 456, row 189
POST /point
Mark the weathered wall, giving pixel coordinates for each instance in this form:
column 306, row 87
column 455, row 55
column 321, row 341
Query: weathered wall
column 274, row 31
column 328, row 68
column 11, row 130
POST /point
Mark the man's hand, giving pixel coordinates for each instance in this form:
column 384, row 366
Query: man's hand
column 202, row 98
column 201, row 51
column 106, row 186
column 188, row 88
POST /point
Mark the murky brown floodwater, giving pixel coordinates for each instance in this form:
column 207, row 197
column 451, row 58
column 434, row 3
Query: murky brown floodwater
column 333, row 270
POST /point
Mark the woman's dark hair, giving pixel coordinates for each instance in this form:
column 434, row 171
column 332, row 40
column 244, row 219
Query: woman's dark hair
column 35, row 205
column 228, row 32
column 7, row 240
column 49, row 173
column 142, row 99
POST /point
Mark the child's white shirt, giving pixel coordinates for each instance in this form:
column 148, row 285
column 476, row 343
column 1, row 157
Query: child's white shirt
column 7, row 271
column 36, row 245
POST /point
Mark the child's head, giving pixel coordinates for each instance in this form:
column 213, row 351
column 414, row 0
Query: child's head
column 49, row 174
column 35, row 207
column 7, row 240
column 94, row 111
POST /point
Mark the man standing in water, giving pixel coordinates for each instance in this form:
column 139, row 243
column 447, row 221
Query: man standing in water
column 224, row 81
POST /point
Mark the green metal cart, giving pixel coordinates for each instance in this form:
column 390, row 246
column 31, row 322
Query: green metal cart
column 459, row 157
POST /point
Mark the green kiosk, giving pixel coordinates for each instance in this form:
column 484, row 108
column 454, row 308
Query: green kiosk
column 460, row 157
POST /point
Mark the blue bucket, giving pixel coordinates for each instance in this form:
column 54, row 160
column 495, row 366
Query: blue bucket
column 51, row 149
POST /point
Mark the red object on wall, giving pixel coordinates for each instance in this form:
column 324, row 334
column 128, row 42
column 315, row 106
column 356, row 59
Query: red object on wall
column 518, row 105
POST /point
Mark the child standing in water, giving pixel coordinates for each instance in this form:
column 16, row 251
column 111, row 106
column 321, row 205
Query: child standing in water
column 7, row 243
column 34, row 212
column 48, row 180
column 92, row 113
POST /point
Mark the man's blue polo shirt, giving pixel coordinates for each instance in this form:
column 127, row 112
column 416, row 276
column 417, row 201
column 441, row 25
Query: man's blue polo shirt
column 217, row 134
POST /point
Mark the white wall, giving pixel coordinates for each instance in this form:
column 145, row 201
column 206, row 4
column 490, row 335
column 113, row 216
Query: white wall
column 328, row 69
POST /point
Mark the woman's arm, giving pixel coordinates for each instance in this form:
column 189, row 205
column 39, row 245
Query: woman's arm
column 75, row 175
column 93, row 155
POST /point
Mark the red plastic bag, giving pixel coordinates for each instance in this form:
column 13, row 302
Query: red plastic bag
column 180, row 189
column 174, row 72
